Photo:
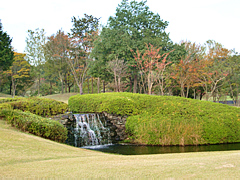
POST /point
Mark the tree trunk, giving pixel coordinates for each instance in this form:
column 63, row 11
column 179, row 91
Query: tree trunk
column 50, row 90
column 119, row 84
column 140, row 88
column 103, row 86
column 115, row 80
column 206, row 94
column 13, row 88
column 135, row 84
column 98, row 85
column 65, row 83
column 39, row 79
column 149, row 83
column 62, row 85
column 88, row 85
column 80, row 89
column 194, row 93
column 130, row 85
column 92, row 85
column 161, row 87
column 182, row 90
column 187, row 91
column 10, row 91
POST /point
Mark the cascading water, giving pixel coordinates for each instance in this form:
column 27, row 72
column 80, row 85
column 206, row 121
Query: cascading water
column 90, row 131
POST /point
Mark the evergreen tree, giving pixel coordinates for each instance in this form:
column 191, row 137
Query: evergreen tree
column 6, row 50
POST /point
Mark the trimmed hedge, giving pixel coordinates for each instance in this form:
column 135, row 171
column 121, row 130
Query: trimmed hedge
column 36, row 125
column 40, row 106
column 31, row 121
column 5, row 106
column 4, row 100
column 165, row 120
column 113, row 103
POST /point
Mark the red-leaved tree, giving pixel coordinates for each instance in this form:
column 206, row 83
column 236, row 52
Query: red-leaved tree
column 151, row 65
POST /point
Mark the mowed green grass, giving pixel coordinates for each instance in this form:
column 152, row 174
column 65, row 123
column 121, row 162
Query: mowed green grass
column 61, row 97
column 23, row 155
column 4, row 96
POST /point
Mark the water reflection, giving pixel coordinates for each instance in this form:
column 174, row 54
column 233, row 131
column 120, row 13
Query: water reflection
column 140, row 150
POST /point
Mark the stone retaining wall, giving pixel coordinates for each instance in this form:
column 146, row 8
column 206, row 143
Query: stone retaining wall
column 116, row 124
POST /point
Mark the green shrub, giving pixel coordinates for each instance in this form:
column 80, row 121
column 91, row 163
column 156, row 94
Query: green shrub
column 165, row 120
column 36, row 125
column 5, row 106
column 31, row 120
column 4, row 100
column 114, row 103
column 40, row 106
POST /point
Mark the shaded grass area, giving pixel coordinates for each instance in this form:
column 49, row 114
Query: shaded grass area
column 26, row 156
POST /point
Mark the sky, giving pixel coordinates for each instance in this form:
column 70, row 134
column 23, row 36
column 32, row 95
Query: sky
column 192, row 20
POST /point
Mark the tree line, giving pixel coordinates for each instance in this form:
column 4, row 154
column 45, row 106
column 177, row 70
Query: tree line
column 132, row 53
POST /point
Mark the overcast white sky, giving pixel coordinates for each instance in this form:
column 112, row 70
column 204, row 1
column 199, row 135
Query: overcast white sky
column 193, row 20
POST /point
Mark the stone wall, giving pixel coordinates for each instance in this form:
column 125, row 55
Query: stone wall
column 68, row 122
column 116, row 124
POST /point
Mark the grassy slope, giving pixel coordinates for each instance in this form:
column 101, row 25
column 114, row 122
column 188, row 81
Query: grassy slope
column 26, row 156
column 61, row 97
column 4, row 96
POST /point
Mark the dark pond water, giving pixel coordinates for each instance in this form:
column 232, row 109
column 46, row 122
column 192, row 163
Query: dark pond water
column 140, row 150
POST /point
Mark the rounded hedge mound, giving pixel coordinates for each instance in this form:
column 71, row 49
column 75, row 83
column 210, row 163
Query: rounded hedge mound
column 37, row 125
column 40, row 106
column 27, row 114
column 166, row 120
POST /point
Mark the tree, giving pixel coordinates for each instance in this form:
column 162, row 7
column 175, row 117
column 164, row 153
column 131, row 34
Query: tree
column 151, row 66
column 234, row 77
column 6, row 51
column 19, row 72
column 84, row 32
column 69, row 81
column 185, row 71
column 57, row 54
column 214, row 71
column 163, row 76
column 35, row 52
column 118, row 67
column 133, row 26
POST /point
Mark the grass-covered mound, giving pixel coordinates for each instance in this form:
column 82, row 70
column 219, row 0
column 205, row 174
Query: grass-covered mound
column 27, row 114
column 165, row 120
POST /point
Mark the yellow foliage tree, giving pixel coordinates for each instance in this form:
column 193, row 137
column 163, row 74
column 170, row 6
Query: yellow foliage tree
column 19, row 71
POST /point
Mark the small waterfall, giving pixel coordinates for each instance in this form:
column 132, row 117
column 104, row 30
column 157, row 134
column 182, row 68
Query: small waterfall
column 90, row 131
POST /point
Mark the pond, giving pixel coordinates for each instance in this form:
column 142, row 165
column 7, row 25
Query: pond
column 141, row 150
